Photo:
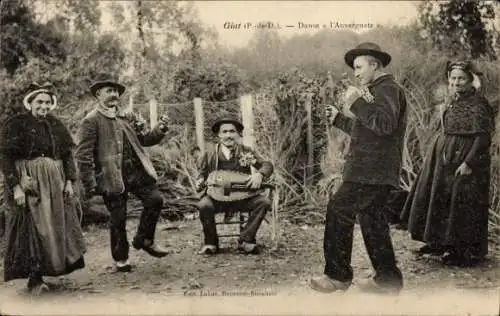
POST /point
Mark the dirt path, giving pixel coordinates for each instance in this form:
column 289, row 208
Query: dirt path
column 281, row 270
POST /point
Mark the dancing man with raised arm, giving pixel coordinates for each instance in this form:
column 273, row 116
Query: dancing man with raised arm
column 112, row 163
column 374, row 115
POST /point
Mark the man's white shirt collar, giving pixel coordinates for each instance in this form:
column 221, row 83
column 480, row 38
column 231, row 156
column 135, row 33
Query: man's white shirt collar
column 226, row 151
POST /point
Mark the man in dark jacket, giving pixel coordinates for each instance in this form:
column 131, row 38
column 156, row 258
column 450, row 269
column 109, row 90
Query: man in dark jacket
column 112, row 163
column 375, row 118
column 229, row 154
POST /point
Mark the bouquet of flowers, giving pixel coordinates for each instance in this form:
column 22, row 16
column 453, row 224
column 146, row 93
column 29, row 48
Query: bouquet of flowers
column 247, row 159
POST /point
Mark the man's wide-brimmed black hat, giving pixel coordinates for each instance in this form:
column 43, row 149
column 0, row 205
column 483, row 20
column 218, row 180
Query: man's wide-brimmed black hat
column 218, row 123
column 367, row 49
column 106, row 82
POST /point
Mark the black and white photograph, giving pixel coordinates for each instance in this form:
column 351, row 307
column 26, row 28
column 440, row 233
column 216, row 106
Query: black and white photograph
column 249, row 157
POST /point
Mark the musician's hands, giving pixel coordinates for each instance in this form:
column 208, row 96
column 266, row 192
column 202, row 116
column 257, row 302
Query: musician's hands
column 199, row 184
column 255, row 180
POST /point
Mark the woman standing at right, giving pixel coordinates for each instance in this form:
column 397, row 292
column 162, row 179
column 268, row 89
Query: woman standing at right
column 447, row 207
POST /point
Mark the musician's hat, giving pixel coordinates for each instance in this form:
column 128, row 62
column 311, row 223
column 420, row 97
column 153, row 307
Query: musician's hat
column 106, row 81
column 367, row 49
column 218, row 123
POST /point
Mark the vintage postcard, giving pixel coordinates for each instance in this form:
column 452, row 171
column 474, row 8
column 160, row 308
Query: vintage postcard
column 249, row 157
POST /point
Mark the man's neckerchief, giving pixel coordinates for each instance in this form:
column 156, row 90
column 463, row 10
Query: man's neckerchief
column 107, row 111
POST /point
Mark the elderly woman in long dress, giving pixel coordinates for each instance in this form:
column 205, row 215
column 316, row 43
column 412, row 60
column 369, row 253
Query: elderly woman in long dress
column 447, row 208
column 44, row 237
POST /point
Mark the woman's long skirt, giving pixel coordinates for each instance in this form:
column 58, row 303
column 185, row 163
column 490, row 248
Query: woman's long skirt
column 44, row 237
column 446, row 210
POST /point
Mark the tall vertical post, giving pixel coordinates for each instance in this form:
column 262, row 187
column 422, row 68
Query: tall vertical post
column 199, row 121
column 153, row 113
column 310, row 148
column 130, row 107
column 246, row 108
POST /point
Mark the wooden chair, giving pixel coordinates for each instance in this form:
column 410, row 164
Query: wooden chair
column 242, row 219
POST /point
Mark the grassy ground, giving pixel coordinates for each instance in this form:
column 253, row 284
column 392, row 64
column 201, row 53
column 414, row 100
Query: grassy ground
column 282, row 267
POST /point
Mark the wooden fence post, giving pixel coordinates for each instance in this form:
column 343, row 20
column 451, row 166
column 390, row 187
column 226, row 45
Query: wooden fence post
column 130, row 107
column 199, row 121
column 246, row 108
column 310, row 147
column 153, row 113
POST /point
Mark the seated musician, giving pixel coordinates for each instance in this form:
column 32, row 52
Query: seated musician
column 229, row 154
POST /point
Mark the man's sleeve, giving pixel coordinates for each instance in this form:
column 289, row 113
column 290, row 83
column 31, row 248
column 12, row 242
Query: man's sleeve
column 381, row 116
column 153, row 137
column 84, row 154
column 203, row 168
column 343, row 123
column 264, row 167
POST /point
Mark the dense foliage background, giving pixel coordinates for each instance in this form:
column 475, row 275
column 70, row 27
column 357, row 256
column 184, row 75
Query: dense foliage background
column 161, row 50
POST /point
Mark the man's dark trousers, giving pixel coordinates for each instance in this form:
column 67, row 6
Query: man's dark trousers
column 257, row 207
column 365, row 201
column 152, row 202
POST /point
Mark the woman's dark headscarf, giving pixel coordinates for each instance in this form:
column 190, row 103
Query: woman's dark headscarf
column 468, row 68
column 474, row 114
